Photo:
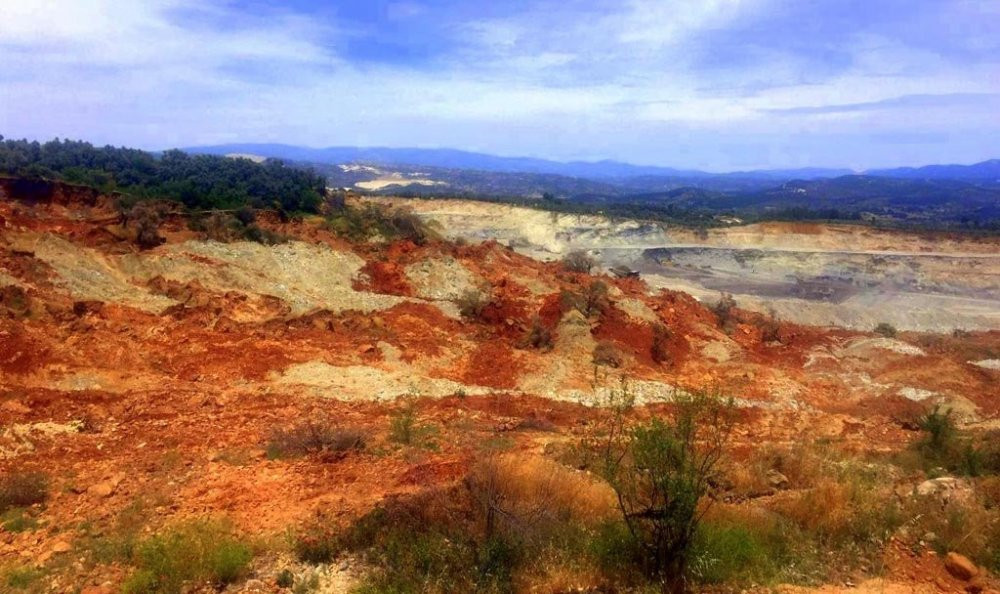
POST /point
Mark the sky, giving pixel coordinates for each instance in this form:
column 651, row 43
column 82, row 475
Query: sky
column 718, row 85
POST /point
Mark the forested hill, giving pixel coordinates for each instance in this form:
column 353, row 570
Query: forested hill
column 198, row 181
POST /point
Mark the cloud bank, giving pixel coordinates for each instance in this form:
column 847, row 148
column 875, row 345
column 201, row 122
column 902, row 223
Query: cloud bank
column 714, row 84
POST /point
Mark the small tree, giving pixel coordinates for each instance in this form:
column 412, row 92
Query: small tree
column 578, row 261
column 723, row 310
column 659, row 471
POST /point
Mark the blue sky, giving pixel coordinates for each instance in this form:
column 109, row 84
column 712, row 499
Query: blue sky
column 712, row 84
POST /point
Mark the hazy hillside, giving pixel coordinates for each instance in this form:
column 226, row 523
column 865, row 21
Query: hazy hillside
column 457, row 159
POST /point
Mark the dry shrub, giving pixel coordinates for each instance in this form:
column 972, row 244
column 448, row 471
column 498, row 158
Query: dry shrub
column 824, row 510
column 607, row 354
column 724, row 310
column 802, row 464
column 530, row 496
column 472, row 303
column 988, row 489
column 962, row 525
column 590, row 302
column 848, row 511
column 144, row 219
column 578, row 261
column 659, row 350
column 770, row 329
column 21, row 489
column 538, row 336
column 314, row 438
column 221, row 226
column 14, row 302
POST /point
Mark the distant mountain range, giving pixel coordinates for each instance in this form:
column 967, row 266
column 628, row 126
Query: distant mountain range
column 951, row 196
column 987, row 171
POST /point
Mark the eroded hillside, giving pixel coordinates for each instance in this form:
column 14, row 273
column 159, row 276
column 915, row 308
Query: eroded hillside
column 840, row 275
column 148, row 384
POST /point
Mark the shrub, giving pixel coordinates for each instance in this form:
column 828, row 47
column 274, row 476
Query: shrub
column 538, row 336
column 15, row 301
column 368, row 221
column 770, row 329
column 607, row 354
column 23, row 489
column 592, row 301
column 317, row 542
column 845, row 512
column 659, row 471
column 20, row 578
column 578, row 261
column 730, row 552
column 227, row 227
column 886, row 330
column 313, row 438
column 472, row 303
column 17, row 519
column 724, row 310
column 144, row 218
column 405, row 429
column 659, row 350
column 940, row 433
column 960, row 525
column 193, row 552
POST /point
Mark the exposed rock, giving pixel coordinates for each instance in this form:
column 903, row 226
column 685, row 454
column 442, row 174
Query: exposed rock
column 945, row 487
column 440, row 278
column 776, row 479
column 960, row 566
column 102, row 489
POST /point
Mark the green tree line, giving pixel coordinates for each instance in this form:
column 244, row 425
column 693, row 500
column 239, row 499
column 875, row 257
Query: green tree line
column 197, row 181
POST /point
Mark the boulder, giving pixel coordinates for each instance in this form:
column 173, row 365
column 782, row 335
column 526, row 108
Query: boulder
column 945, row 488
column 102, row 489
column 960, row 566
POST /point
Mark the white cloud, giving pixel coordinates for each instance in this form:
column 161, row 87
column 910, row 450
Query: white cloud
column 559, row 82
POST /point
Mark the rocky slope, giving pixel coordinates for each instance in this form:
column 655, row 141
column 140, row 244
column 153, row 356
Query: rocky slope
column 155, row 377
column 838, row 275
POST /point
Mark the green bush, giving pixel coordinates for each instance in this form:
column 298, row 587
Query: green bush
column 885, row 329
column 405, row 428
column 659, row 470
column 194, row 552
column 20, row 578
column 361, row 223
column 17, row 519
column 726, row 552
